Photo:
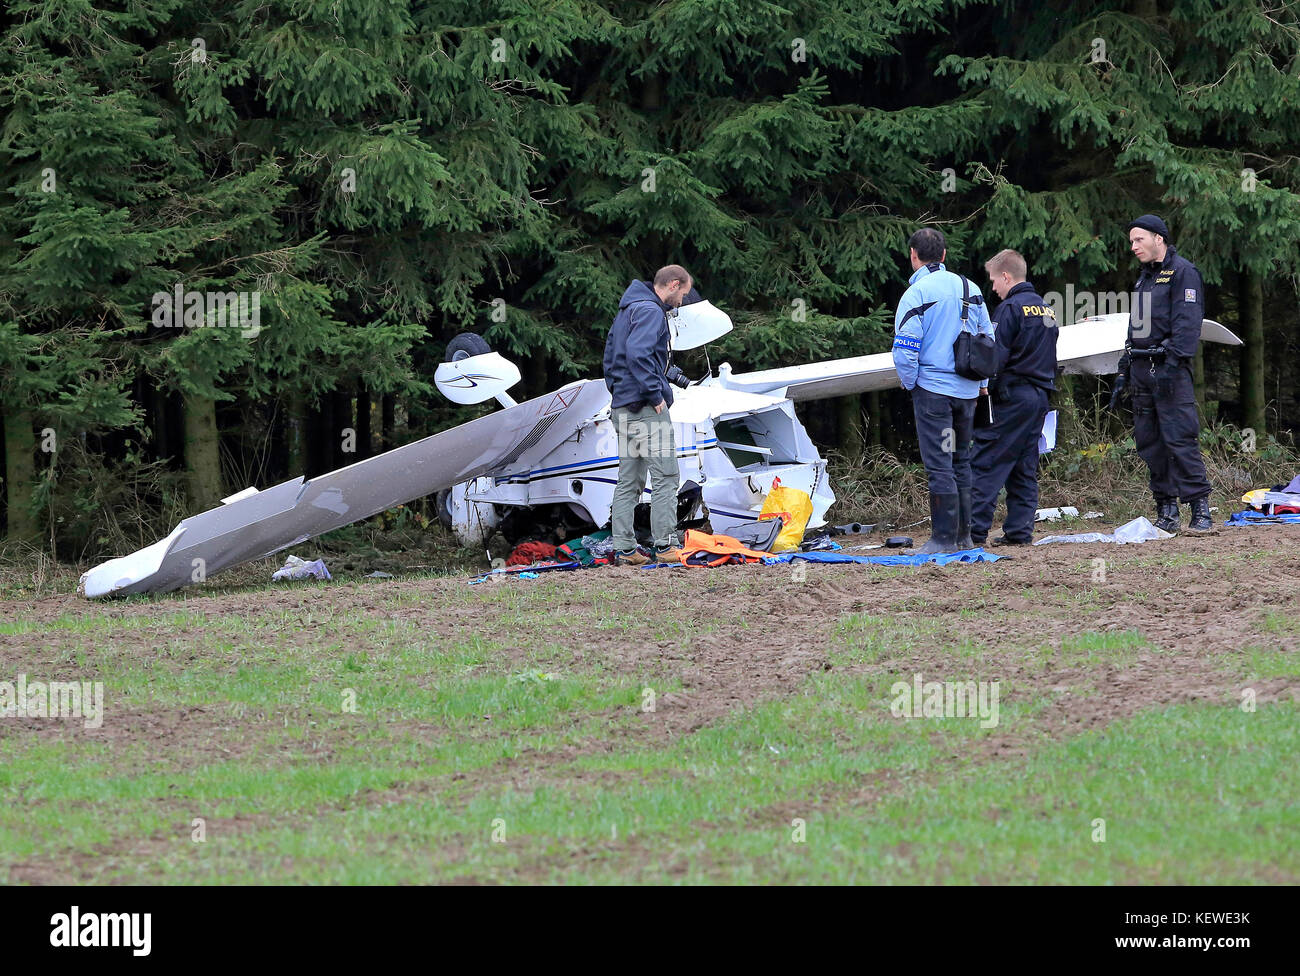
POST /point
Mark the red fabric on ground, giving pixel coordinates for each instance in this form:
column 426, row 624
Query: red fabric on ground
column 527, row 553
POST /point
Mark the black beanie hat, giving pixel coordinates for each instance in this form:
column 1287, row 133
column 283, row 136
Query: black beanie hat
column 1152, row 223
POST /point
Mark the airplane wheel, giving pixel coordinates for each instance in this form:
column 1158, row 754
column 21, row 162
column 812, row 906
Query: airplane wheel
column 442, row 507
column 465, row 345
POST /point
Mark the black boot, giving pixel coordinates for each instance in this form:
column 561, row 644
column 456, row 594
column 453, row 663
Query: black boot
column 1201, row 521
column 1167, row 515
column 944, row 513
column 963, row 520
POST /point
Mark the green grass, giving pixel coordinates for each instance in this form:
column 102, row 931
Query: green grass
column 1189, row 795
column 513, row 752
column 1192, row 794
column 1113, row 647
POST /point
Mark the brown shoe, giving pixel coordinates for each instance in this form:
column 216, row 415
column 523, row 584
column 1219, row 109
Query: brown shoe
column 672, row 555
column 634, row 558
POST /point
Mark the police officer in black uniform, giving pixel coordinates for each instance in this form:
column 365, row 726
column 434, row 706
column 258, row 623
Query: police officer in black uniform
column 1156, row 370
column 1006, row 452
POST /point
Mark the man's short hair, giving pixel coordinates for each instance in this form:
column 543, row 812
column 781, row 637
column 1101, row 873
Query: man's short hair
column 669, row 273
column 929, row 244
column 1012, row 262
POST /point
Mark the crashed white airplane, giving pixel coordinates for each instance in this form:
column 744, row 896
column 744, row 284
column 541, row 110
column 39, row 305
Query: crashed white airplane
column 736, row 433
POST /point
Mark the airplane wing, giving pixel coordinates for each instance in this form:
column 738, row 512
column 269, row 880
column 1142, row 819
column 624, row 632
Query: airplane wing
column 1092, row 346
column 252, row 524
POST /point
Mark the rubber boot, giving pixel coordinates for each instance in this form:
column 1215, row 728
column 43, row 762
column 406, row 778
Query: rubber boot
column 1201, row 521
column 1167, row 517
column 963, row 520
column 944, row 513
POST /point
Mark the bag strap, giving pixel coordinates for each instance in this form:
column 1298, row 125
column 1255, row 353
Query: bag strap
column 967, row 302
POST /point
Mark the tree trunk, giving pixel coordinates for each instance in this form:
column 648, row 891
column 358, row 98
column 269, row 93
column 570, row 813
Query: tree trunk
column 1204, row 402
column 1252, row 354
column 1066, row 405
column 1198, row 381
column 536, row 377
column 320, row 424
column 202, row 453
column 364, row 448
column 388, row 422
column 295, row 437
column 888, row 423
column 873, row 418
column 161, row 427
column 849, row 409
column 20, row 475
column 651, row 92
column 342, row 420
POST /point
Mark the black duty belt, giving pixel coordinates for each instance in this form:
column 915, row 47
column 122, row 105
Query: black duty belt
column 1008, row 380
column 1153, row 357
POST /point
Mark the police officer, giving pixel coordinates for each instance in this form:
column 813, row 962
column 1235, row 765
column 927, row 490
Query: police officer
column 1156, row 370
column 1006, row 452
column 926, row 325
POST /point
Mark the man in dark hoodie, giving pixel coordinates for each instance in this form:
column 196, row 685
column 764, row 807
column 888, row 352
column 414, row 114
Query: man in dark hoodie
column 636, row 366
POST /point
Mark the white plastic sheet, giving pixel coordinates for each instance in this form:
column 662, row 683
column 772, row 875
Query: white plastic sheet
column 1139, row 530
column 1047, row 439
column 296, row 569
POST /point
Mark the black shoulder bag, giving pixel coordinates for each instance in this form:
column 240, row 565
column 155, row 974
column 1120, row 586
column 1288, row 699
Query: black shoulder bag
column 975, row 355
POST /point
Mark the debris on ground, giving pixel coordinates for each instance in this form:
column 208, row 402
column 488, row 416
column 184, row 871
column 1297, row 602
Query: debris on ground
column 820, row 543
column 589, row 550
column 296, row 569
column 524, row 572
column 1055, row 514
column 707, row 549
column 1250, row 517
column 917, row 559
column 853, row 528
column 703, row 549
column 1139, row 530
column 1272, row 502
column 527, row 553
column 793, row 507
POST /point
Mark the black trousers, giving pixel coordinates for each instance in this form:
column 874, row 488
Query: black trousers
column 1167, row 432
column 1006, row 453
column 943, row 428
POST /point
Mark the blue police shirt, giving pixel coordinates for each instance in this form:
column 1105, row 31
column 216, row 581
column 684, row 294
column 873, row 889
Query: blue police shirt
column 926, row 326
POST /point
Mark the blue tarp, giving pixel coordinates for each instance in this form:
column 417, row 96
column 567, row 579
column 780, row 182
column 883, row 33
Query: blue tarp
column 938, row 558
column 525, row 572
column 1249, row 517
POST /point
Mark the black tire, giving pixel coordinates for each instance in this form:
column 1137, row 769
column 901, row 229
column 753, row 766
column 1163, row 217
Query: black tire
column 442, row 509
column 465, row 345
